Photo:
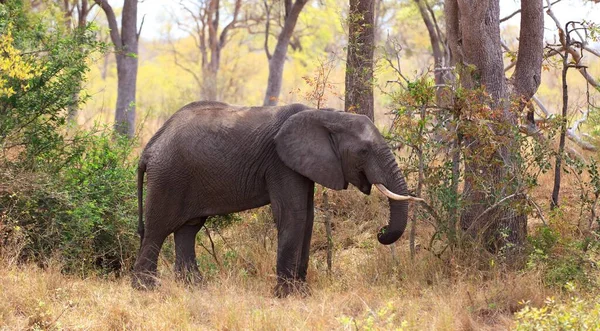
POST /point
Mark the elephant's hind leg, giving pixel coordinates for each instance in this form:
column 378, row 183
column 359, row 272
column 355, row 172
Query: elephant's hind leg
column 144, row 270
column 160, row 222
column 186, row 268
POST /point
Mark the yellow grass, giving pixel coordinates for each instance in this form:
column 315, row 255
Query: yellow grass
column 32, row 297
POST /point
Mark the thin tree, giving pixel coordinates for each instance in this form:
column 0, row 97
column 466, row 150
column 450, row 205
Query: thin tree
column 359, row 63
column 75, row 17
column 126, row 55
column 277, row 59
column 438, row 43
column 492, row 188
column 209, row 42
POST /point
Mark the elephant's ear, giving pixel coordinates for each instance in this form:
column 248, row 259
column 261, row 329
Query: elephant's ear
column 305, row 143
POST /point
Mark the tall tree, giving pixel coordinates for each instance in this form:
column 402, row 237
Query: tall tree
column 126, row 54
column 75, row 12
column 204, row 29
column 438, row 43
column 474, row 38
column 277, row 59
column 359, row 63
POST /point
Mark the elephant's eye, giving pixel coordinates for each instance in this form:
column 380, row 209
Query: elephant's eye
column 363, row 152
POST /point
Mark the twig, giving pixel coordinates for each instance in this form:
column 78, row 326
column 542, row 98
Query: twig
column 492, row 207
column 519, row 10
column 537, row 207
column 213, row 253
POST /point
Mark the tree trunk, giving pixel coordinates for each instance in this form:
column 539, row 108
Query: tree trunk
column 126, row 53
column 277, row 60
column 359, row 63
column 127, row 66
column 83, row 10
column 435, row 40
column 491, row 191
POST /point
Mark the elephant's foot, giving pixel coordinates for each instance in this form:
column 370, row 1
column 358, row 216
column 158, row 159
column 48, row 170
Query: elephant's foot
column 143, row 281
column 287, row 287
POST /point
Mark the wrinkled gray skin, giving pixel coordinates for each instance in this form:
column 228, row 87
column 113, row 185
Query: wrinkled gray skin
column 210, row 158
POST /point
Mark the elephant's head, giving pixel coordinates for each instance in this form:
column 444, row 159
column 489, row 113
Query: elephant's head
column 336, row 148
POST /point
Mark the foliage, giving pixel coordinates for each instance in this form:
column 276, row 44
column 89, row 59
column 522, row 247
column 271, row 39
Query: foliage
column 574, row 314
column 13, row 66
column 47, row 65
column 438, row 129
column 83, row 214
column 68, row 196
column 384, row 318
column 562, row 260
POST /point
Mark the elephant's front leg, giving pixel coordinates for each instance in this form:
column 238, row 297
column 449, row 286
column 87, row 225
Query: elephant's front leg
column 294, row 226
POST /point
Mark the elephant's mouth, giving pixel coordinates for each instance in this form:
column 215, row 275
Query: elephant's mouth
column 363, row 183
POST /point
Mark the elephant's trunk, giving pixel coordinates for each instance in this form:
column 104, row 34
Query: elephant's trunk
column 398, row 209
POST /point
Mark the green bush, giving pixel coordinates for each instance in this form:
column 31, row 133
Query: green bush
column 43, row 65
column 84, row 215
column 64, row 194
column 575, row 314
column 562, row 261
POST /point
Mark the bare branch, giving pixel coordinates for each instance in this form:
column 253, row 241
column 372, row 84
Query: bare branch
column 231, row 25
column 571, row 132
column 186, row 69
column 141, row 26
column 510, row 66
column 267, row 26
column 519, row 10
column 539, row 210
column 591, row 50
column 115, row 37
column 577, row 56
column 541, row 106
column 492, row 207
column 574, row 154
column 580, row 142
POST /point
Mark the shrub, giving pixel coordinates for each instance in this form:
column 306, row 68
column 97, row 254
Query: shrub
column 575, row 314
column 84, row 215
column 64, row 195
column 45, row 66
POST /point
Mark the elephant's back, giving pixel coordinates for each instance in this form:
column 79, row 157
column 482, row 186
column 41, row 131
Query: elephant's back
column 206, row 136
column 216, row 149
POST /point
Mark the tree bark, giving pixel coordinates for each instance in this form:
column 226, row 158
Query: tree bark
column 359, row 63
column 528, row 71
column 474, row 39
column 277, row 61
column 126, row 54
column 435, row 40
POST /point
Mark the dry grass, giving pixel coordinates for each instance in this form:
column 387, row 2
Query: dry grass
column 369, row 288
column 45, row 298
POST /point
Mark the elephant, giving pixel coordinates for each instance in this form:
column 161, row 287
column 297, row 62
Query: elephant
column 210, row 158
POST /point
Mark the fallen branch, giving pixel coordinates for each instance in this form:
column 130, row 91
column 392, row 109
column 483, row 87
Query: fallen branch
column 574, row 154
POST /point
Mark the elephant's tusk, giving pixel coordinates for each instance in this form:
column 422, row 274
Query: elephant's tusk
column 395, row 196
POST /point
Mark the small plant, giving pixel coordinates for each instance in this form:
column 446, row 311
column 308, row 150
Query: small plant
column 382, row 319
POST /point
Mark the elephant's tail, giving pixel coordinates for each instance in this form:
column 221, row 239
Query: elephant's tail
column 140, row 193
